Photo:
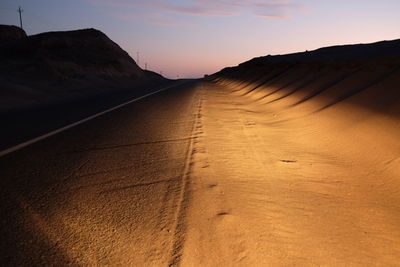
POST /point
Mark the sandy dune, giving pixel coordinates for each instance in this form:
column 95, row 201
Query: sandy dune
column 303, row 191
column 298, row 166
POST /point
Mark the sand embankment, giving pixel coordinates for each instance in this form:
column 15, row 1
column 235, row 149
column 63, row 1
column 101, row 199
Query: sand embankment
column 298, row 162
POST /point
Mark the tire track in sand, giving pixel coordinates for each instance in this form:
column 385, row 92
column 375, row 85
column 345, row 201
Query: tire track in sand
column 179, row 226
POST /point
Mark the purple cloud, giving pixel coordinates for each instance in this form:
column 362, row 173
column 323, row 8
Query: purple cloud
column 271, row 16
column 272, row 9
column 150, row 18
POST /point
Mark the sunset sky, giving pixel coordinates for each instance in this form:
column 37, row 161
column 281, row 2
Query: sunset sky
column 195, row 37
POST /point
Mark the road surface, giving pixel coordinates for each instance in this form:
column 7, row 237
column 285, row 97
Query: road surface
column 197, row 175
column 21, row 125
column 107, row 192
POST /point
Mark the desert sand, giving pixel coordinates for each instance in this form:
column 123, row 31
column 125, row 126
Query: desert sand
column 271, row 163
column 298, row 166
column 275, row 185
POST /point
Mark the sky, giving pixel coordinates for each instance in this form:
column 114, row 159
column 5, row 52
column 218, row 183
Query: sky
column 190, row 38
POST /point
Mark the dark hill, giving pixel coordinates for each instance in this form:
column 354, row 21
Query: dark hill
column 10, row 33
column 62, row 66
column 388, row 51
column 70, row 53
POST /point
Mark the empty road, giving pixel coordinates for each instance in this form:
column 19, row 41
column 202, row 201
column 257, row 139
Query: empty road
column 111, row 191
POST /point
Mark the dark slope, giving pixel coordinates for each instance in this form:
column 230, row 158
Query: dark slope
column 67, row 54
column 385, row 50
column 63, row 66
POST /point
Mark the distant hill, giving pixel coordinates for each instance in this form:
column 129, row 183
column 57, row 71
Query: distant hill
column 388, row 51
column 54, row 66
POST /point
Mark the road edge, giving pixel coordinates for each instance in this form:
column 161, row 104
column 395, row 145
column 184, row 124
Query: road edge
column 71, row 125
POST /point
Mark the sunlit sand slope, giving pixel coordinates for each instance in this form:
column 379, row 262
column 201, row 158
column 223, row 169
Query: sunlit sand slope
column 298, row 163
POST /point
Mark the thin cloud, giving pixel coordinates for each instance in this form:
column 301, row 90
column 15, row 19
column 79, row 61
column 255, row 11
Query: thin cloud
column 149, row 18
column 192, row 8
column 272, row 9
column 271, row 16
column 168, row 22
column 277, row 5
column 189, row 9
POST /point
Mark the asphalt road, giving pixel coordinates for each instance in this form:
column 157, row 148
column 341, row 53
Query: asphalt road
column 19, row 126
column 108, row 192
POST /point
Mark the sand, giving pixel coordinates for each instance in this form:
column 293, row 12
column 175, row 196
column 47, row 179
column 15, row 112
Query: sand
column 282, row 179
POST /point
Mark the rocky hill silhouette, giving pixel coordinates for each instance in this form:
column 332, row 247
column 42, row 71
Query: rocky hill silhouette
column 60, row 66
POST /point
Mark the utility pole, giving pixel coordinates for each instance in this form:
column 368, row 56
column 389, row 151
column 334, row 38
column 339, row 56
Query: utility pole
column 137, row 57
column 145, row 66
column 20, row 10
